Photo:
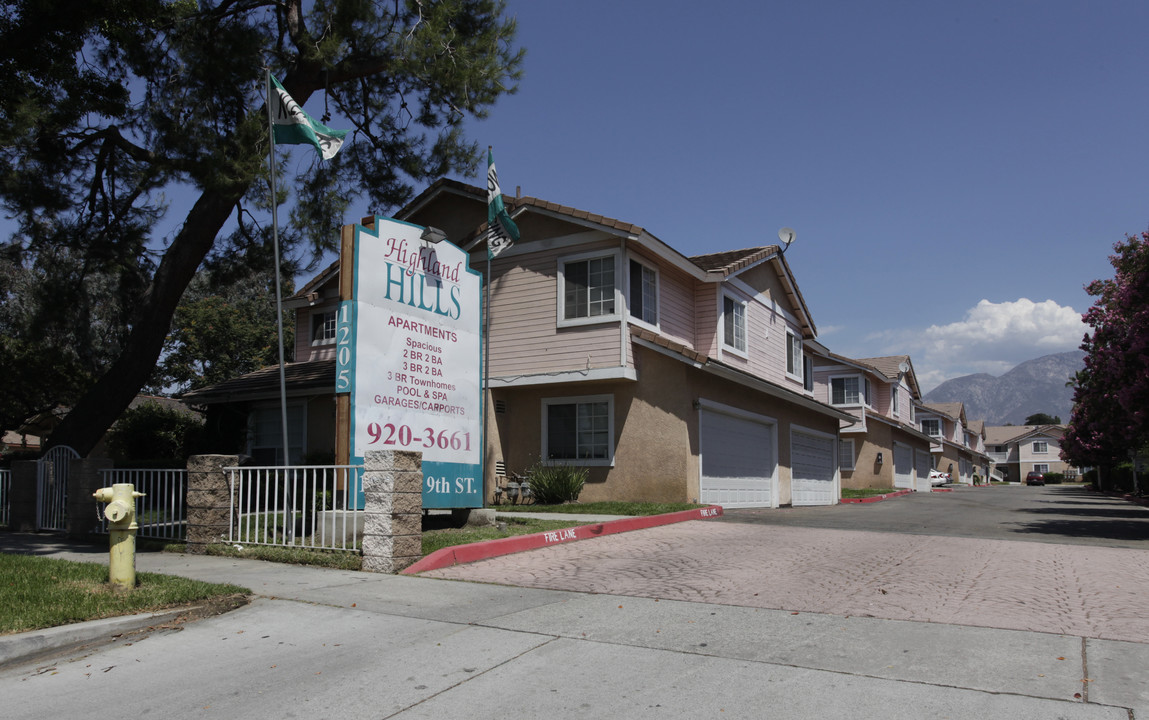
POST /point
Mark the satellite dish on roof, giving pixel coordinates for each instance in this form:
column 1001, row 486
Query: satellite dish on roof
column 786, row 235
column 903, row 367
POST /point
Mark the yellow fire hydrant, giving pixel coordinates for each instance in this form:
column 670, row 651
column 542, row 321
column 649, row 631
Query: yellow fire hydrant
column 121, row 515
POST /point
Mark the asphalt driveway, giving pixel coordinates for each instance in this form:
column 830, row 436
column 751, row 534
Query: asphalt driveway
column 1063, row 514
column 816, row 560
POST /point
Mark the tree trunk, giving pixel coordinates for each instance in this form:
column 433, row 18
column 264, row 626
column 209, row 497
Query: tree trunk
column 103, row 404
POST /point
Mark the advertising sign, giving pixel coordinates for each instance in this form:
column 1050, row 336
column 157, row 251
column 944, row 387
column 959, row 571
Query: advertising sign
column 409, row 353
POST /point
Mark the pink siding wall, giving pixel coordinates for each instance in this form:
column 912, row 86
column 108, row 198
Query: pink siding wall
column 676, row 306
column 707, row 332
column 524, row 336
column 881, row 396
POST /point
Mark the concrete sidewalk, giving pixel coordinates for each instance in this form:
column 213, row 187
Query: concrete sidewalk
column 325, row 642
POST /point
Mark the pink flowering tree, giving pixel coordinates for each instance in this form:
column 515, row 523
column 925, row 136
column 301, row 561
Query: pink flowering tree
column 1111, row 396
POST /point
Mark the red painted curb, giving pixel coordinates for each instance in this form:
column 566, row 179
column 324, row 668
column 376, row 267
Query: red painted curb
column 461, row 554
column 941, row 489
column 875, row 498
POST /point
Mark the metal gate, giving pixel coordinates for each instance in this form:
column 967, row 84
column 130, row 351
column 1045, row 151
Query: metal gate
column 52, row 488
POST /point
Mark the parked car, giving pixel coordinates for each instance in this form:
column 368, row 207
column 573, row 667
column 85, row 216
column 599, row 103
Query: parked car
column 1035, row 478
column 938, row 478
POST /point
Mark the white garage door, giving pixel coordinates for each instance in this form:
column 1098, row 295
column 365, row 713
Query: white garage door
column 737, row 461
column 812, row 469
column 903, row 466
column 922, row 464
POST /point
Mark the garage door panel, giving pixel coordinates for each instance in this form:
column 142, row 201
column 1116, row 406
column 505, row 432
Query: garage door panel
column 812, row 469
column 922, row 465
column 903, row 466
column 737, row 461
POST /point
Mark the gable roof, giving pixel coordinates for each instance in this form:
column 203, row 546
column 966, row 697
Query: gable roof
column 1007, row 434
column 952, row 410
column 730, row 262
column 713, row 267
column 300, row 377
column 889, row 367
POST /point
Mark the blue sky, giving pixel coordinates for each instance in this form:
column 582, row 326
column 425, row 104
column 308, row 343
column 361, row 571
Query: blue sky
column 955, row 172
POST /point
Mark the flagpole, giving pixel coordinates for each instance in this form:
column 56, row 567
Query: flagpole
column 278, row 293
column 487, row 358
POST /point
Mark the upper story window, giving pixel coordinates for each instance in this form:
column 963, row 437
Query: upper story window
column 1040, row 446
column 733, row 324
column 853, row 390
column 794, row 365
column 643, row 293
column 895, row 407
column 808, row 373
column 932, row 427
column 587, row 289
column 323, row 327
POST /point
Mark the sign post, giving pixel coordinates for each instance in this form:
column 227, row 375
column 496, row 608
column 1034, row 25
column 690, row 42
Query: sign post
column 408, row 357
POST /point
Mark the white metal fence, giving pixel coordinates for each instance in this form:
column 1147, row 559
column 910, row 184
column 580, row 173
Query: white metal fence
column 162, row 512
column 52, row 471
column 5, row 496
column 305, row 506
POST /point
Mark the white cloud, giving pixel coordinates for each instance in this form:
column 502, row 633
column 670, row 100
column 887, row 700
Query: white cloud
column 991, row 338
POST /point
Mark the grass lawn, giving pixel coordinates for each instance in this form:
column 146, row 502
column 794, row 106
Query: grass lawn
column 449, row 537
column 37, row 592
column 866, row 492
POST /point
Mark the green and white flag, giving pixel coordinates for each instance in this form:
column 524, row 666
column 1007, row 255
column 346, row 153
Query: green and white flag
column 504, row 232
column 291, row 126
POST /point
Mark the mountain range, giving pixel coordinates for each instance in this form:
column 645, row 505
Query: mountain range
column 1034, row 386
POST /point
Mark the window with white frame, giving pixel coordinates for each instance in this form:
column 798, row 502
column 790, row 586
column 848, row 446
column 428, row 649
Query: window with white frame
column 579, row 429
column 733, row 323
column 587, row 289
column 1041, row 467
column 794, row 365
column 323, row 327
column 895, row 405
column 643, row 293
column 846, row 454
column 1040, row 447
column 851, row 390
column 932, row 427
column 808, row 373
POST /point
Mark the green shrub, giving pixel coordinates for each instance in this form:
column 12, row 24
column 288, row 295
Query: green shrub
column 556, row 484
column 153, row 432
column 1054, row 478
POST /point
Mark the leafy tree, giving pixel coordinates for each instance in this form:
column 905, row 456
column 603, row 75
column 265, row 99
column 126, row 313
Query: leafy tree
column 111, row 106
column 221, row 331
column 1042, row 419
column 1111, row 394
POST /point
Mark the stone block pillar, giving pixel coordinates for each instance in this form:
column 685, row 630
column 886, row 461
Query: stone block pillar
column 22, row 497
column 393, row 510
column 83, row 510
column 209, row 501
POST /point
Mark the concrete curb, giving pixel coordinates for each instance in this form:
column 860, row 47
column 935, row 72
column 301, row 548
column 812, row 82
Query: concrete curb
column 35, row 643
column 1128, row 497
column 461, row 554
